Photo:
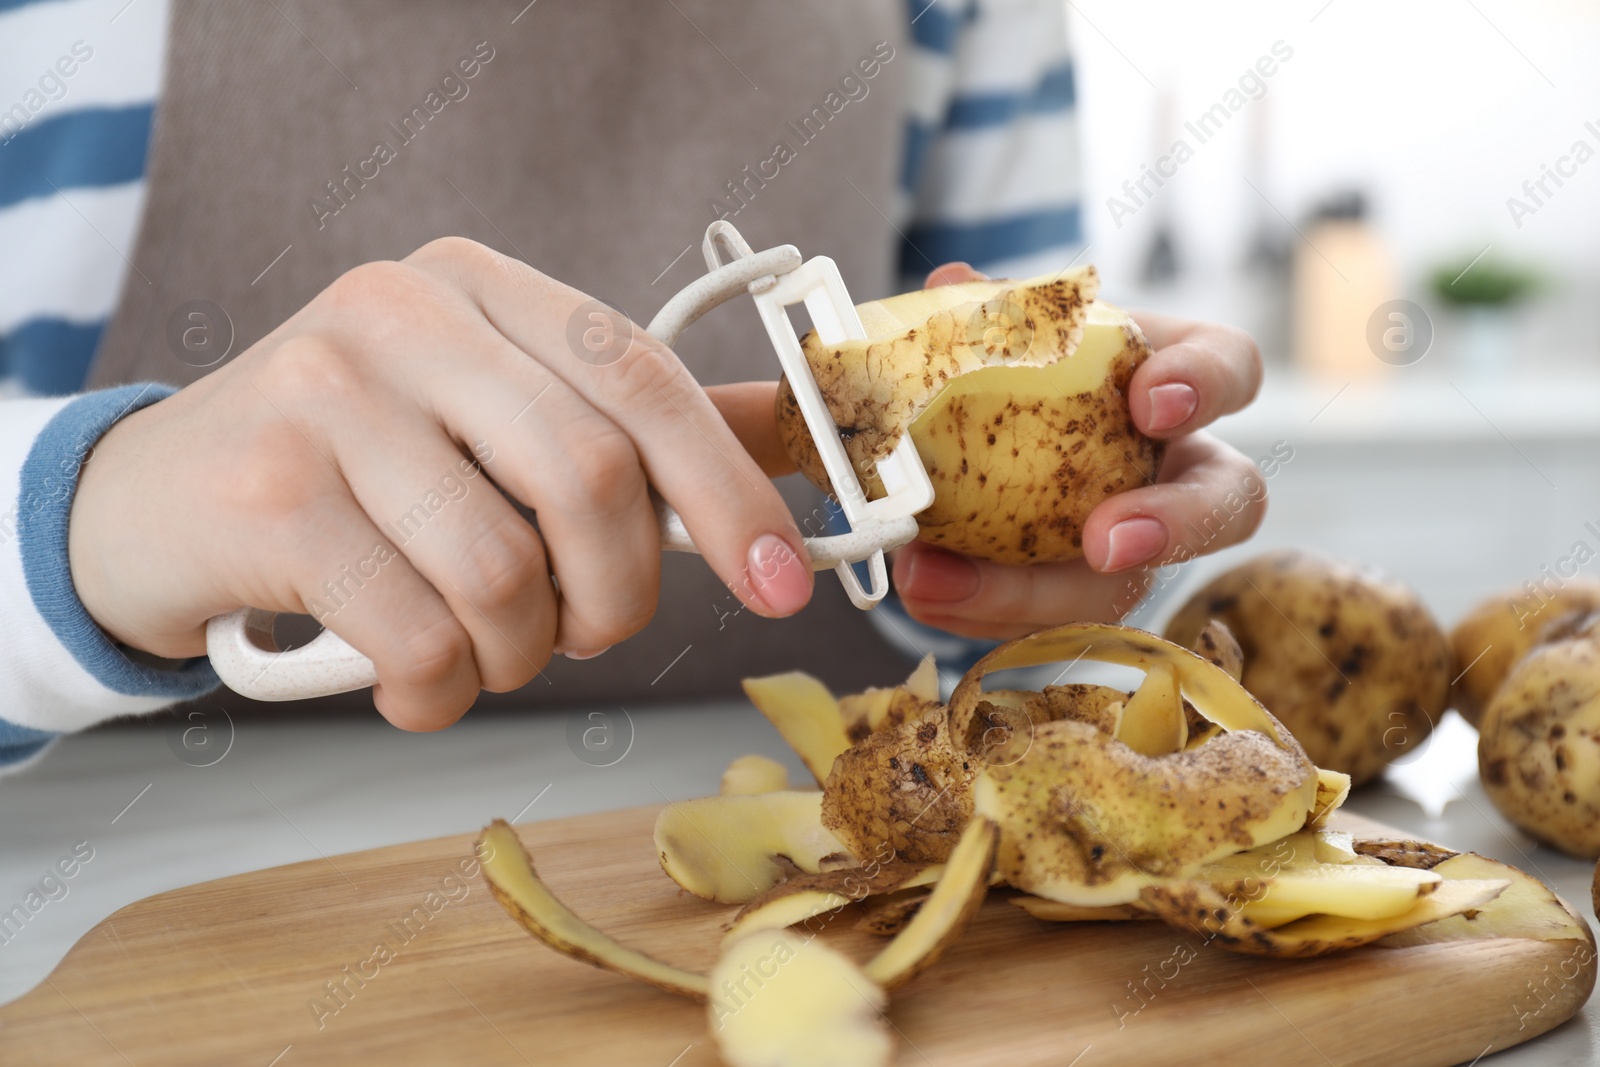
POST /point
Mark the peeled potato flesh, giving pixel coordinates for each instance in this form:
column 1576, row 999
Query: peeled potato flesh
column 732, row 849
column 1015, row 394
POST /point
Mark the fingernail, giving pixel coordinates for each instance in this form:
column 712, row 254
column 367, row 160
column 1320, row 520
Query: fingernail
column 777, row 575
column 586, row 654
column 943, row 576
column 1172, row 405
column 1133, row 541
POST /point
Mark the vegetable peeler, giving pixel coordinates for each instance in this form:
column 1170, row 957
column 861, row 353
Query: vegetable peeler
column 241, row 645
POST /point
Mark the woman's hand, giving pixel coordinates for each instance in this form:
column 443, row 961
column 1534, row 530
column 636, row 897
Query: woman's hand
column 1208, row 496
column 362, row 462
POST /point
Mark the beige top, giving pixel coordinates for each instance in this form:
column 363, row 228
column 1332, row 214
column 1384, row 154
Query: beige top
column 591, row 140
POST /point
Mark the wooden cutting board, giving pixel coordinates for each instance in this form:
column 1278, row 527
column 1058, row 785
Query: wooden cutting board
column 242, row 971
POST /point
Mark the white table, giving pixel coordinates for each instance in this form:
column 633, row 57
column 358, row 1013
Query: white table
column 291, row 791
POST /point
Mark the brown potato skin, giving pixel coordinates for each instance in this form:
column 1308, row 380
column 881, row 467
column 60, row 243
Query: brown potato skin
column 904, row 792
column 1492, row 637
column 1024, row 477
column 1348, row 659
column 1539, row 744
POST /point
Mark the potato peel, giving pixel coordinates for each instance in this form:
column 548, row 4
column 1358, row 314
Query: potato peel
column 508, row 869
column 944, row 916
column 806, row 896
column 752, row 775
column 782, row 1000
column 1054, row 911
column 1527, row 909
column 1215, row 912
column 733, row 849
column 805, row 713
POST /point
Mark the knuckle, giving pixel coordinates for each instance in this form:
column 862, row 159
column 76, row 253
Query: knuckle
column 430, row 656
column 622, row 618
column 502, row 566
column 371, row 287
column 647, row 374
column 601, row 476
column 454, row 250
column 308, row 369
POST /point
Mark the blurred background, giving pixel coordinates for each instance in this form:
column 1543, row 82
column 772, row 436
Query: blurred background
column 1405, row 212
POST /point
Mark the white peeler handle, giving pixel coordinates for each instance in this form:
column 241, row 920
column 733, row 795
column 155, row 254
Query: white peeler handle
column 246, row 657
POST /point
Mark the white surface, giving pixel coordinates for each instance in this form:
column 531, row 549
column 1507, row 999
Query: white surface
column 290, row 792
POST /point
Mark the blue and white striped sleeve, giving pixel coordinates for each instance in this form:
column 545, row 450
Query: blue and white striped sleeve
column 58, row 671
column 992, row 174
column 76, row 112
column 991, row 177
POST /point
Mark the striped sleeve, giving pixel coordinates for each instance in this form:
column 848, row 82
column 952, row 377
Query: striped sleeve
column 991, row 174
column 75, row 120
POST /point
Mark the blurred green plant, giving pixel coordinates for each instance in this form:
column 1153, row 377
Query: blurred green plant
column 1488, row 283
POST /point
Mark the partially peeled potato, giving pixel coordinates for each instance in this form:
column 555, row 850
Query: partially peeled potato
column 1015, row 394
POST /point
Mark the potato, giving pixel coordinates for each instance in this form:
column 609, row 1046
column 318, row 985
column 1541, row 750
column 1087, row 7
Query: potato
column 1348, row 659
column 1015, row 394
column 1539, row 743
column 1502, row 629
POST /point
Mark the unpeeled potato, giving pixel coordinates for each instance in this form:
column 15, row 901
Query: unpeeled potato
column 1502, row 629
column 1348, row 659
column 1539, row 743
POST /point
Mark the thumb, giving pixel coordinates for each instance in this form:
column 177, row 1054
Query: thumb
column 953, row 274
column 750, row 410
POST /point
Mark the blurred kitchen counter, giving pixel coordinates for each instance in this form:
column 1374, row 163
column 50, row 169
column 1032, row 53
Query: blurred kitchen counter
column 290, row 791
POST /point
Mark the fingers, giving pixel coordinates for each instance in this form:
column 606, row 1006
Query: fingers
column 1209, row 496
column 376, row 600
column 953, row 274
column 750, row 410
column 1198, row 373
column 443, row 514
column 976, row 598
column 580, row 474
column 734, row 514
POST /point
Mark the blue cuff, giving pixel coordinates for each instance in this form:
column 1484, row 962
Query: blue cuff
column 49, row 480
column 18, row 743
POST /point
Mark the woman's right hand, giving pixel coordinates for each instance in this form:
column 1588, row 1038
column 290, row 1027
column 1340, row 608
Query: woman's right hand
column 336, row 468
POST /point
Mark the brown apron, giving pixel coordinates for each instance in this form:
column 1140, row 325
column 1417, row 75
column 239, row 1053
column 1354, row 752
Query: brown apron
column 593, row 139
